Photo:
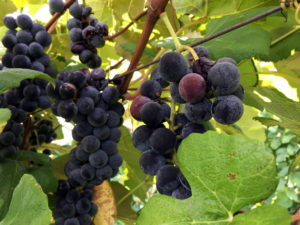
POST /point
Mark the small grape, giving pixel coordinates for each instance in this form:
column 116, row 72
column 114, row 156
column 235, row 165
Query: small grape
column 151, row 89
column 189, row 128
column 98, row 117
column 111, row 95
column 88, row 172
column 155, row 75
column 224, row 78
column 90, row 92
column 56, row 5
column 73, row 22
column 115, row 161
column 98, row 74
column 24, row 22
column 83, row 206
column 20, row 49
column 75, row 34
column 202, row 66
column 102, row 133
column 198, row 112
column 88, row 32
column 37, row 66
column 21, row 61
column 9, row 41
column 7, row 60
column 104, row 173
column 227, row 59
column 85, row 56
column 239, row 92
column 95, row 62
column 43, row 37
column 36, row 50
column 152, row 114
column 227, row 109
column 109, row 147
column 163, row 141
column 172, row 66
column 28, row 105
column 137, row 105
column 192, row 88
column 166, row 178
column 90, row 143
column 85, row 105
column 77, row 47
column 98, row 159
column 67, row 91
column 102, row 28
column 76, row 10
column 97, row 41
column 44, row 102
column 67, row 109
column 113, row 119
column 24, row 36
column 36, row 27
column 76, row 179
column 44, row 59
column 151, row 162
column 10, row 22
column 79, row 79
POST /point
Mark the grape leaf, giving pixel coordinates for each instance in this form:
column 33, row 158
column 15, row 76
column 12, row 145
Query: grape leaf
column 29, row 204
column 277, row 104
column 11, row 78
column 123, row 201
column 104, row 199
column 226, row 173
column 10, row 174
column 218, row 7
column 137, row 180
column 44, row 177
column 5, row 114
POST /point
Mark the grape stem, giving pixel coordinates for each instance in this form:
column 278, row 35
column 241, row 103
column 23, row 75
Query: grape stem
column 155, row 8
column 190, row 50
column 56, row 15
column 166, row 20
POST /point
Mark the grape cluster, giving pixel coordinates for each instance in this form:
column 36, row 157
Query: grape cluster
column 43, row 132
column 155, row 140
column 25, row 46
column 74, row 207
column 193, row 86
column 85, row 98
column 11, row 136
column 86, row 34
column 29, row 96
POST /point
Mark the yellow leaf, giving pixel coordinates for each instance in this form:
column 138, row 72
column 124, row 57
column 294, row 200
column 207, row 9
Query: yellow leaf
column 105, row 200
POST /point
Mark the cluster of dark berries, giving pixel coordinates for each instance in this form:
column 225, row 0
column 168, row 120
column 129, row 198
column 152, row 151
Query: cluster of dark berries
column 29, row 96
column 25, row 45
column 219, row 80
column 74, row 207
column 11, row 136
column 86, row 34
column 192, row 86
column 43, row 132
column 97, row 115
column 155, row 140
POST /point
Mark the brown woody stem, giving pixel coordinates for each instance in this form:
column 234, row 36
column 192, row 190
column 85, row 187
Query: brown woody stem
column 156, row 7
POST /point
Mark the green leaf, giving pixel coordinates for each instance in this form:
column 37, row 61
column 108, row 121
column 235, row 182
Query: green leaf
column 131, row 48
column 123, row 199
column 37, row 158
column 249, row 74
column 236, row 44
column 57, row 166
column 264, row 215
column 135, row 8
column 250, row 127
column 11, row 78
column 10, row 174
column 283, row 200
column 29, row 204
column 221, row 171
column 44, row 177
column 5, row 114
column 137, row 180
column 274, row 102
column 218, row 7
